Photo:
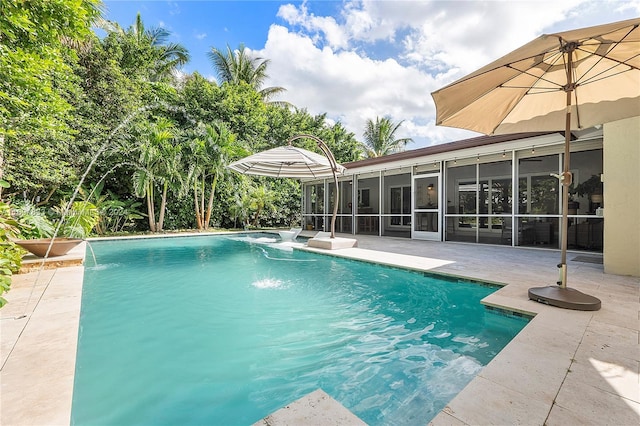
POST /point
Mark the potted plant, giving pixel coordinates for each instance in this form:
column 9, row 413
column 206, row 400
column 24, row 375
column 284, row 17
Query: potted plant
column 592, row 188
column 38, row 230
column 574, row 205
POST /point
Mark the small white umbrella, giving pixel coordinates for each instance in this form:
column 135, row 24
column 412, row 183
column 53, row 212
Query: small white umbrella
column 564, row 81
column 292, row 162
column 286, row 162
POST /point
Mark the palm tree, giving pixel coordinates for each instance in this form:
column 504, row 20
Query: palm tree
column 379, row 137
column 159, row 162
column 240, row 202
column 211, row 151
column 261, row 198
column 149, row 46
column 235, row 66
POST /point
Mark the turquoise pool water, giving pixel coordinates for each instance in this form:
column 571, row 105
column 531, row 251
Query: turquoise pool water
column 220, row 331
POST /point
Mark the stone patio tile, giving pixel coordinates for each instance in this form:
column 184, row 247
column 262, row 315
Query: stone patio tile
column 21, row 289
column 558, row 342
column 529, row 368
column 43, row 402
column 615, row 374
column 606, row 341
column 314, row 409
column 593, row 406
column 10, row 330
column 446, row 419
column 624, row 301
column 616, row 314
column 554, row 318
column 563, row 417
column 37, row 377
column 484, row 402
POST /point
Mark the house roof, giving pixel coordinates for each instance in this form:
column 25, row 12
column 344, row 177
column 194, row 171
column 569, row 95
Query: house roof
column 446, row 147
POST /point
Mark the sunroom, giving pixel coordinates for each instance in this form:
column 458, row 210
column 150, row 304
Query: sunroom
column 488, row 190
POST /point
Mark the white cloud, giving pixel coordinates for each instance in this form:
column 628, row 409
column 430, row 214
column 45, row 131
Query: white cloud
column 174, row 8
column 200, row 36
column 347, row 86
column 326, row 65
column 334, row 34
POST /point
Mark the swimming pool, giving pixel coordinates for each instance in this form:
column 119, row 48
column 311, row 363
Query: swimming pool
column 217, row 330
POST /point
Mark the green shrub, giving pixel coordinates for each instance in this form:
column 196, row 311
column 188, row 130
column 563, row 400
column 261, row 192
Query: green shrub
column 10, row 253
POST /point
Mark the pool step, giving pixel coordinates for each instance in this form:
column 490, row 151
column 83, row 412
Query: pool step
column 314, row 409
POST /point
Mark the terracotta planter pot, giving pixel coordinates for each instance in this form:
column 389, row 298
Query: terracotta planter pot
column 39, row 247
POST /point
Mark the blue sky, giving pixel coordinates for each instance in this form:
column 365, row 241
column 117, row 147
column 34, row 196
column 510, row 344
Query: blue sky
column 358, row 59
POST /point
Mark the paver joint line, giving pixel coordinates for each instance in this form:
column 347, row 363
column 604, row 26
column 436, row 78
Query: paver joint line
column 566, row 374
column 26, row 318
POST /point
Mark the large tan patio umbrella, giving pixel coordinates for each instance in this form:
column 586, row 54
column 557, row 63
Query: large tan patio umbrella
column 292, row 162
column 565, row 81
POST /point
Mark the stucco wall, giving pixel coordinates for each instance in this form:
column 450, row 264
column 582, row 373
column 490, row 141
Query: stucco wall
column 622, row 197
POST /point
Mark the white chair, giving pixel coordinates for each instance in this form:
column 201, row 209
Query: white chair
column 297, row 232
column 289, row 235
column 321, row 235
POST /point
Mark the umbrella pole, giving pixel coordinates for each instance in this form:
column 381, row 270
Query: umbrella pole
column 566, row 182
column 566, row 178
column 325, row 149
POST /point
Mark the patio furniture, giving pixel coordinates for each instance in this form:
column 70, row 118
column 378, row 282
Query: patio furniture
column 290, row 235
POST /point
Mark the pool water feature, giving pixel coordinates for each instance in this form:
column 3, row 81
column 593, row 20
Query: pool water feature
column 217, row 330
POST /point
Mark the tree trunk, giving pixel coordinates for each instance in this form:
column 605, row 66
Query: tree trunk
column 150, row 211
column 202, row 186
column 163, row 207
column 195, row 205
column 210, row 204
column 255, row 219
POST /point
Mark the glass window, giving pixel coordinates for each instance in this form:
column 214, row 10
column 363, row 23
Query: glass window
column 396, row 200
column 538, row 191
column 538, row 231
column 427, row 196
column 400, row 204
column 395, row 186
column 461, row 190
column 587, row 190
column 368, row 191
column 314, row 198
column 317, row 198
column 426, row 221
column 461, row 228
column 496, row 189
column 364, row 199
column 346, row 197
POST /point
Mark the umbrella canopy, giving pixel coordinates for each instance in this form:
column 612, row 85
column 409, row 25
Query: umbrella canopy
column 526, row 90
column 291, row 162
column 569, row 80
column 287, row 161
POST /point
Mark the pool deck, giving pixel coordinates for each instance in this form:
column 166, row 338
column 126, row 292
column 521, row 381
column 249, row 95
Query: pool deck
column 565, row 367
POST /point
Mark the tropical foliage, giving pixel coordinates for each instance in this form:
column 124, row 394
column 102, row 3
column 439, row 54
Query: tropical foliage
column 150, row 142
column 238, row 66
column 146, row 51
column 210, row 152
column 10, row 253
column 36, row 86
column 380, row 137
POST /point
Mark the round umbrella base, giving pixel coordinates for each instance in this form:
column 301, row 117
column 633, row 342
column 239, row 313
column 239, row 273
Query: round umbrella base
column 567, row 298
